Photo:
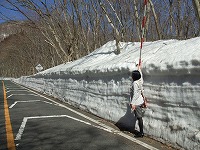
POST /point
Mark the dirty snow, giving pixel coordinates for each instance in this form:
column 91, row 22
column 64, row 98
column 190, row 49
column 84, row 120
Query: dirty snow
column 100, row 83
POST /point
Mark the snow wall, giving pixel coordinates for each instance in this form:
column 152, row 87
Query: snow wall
column 100, row 82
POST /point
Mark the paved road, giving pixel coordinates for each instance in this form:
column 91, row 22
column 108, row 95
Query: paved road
column 30, row 121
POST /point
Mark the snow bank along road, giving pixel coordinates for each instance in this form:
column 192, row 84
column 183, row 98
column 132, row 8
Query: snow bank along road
column 100, row 83
column 33, row 121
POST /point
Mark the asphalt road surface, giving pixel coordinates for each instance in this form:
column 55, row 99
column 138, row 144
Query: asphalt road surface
column 31, row 121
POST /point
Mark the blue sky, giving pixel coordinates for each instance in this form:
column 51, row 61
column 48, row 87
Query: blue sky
column 10, row 14
column 15, row 15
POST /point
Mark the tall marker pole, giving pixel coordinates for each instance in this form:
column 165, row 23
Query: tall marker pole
column 143, row 28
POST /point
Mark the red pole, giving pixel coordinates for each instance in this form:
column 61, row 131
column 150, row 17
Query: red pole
column 143, row 27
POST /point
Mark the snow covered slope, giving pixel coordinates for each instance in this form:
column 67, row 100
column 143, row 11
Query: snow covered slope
column 100, row 83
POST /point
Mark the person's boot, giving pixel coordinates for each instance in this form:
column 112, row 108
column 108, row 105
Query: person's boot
column 140, row 135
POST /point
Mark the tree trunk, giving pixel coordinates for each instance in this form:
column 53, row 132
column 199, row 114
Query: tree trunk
column 114, row 28
column 137, row 19
column 156, row 20
column 196, row 4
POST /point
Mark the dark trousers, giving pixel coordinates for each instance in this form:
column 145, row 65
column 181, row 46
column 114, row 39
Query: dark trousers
column 139, row 112
column 140, row 124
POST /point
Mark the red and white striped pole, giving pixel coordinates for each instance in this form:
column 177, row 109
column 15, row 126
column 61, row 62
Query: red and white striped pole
column 143, row 28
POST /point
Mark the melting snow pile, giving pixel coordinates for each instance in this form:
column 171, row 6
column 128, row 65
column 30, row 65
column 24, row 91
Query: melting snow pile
column 100, row 83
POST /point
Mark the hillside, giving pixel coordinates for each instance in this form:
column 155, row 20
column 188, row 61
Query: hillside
column 19, row 49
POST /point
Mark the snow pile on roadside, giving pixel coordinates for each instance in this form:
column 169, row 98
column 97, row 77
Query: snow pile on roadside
column 100, row 82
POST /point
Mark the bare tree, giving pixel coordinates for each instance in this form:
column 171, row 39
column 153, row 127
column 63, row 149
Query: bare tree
column 197, row 7
column 156, row 20
column 117, row 38
column 138, row 27
column 65, row 30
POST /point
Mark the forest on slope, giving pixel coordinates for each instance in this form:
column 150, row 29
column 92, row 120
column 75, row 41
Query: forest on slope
column 58, row 31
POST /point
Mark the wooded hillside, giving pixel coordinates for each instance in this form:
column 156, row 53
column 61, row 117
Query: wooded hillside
column 58, row 31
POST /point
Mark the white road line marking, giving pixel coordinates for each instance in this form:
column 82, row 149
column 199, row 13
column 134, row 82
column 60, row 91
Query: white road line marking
column 48, row 102
column 7, row 87
column 137, row 141
column 9, row 96
column 100, row 124
column 22, row 127
column 15, row 90
column 21, row 94
column 11, row 106
column 29, row 101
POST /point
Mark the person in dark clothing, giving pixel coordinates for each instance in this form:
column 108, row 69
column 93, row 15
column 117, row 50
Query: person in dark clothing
column 136, row 98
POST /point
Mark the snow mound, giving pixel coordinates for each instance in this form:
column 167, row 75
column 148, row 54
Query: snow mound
column 100, row 83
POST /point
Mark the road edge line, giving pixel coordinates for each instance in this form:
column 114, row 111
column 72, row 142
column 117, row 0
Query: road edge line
column 8, row 126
